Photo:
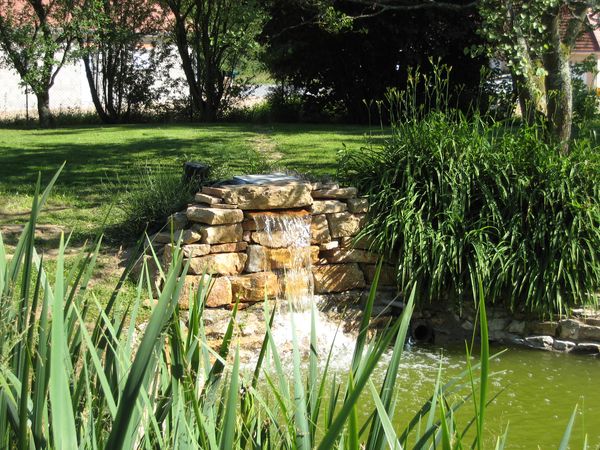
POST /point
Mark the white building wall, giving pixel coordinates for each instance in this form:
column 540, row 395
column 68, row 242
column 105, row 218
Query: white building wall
column 69, row 92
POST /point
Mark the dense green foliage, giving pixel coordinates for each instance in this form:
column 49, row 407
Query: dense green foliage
column 453, row 196
column 69, row 381
column 332, row 71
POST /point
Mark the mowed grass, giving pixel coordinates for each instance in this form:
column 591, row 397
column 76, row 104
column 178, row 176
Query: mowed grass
column 102, row 162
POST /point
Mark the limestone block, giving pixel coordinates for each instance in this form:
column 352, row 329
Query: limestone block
column 273, row 220
column 219, row 294
column 517, row 327
column 219, row 234
column 153, row 270
column 247, row 236
column 543, row 328
column 178, row 221
column 563, row 346
column 189, row 251
column 347, row 192
column 213, row 191
column 274, row 239
column 253, row 287
column 296, row 285
column 268, row 196
column 387, row 276
column 329, row 245
column 362, row 243
column 573, row 329
column 218, row 263
column 186, row 237
column 541, row 342
column 319, row 229
column 262, row 259
column 214, row 216
column 349, row 255
column 230, row 247
column 358, row 205
column 221, row 206
column 345, row 224
column 208, row 199
column 328, row 206
column 337, row 278
column 588, row 348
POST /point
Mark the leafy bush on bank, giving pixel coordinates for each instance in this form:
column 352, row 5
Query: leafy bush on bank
column 453, row 196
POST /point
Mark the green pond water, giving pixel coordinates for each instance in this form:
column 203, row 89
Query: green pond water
column 540, row 390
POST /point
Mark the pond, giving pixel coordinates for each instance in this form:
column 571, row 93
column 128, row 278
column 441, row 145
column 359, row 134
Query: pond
column 540, row 390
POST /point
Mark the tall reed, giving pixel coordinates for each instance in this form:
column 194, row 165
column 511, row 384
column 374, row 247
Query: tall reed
column 77, row 374
column 454, row 196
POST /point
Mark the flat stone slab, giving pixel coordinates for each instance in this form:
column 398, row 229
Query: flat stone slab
column 230, row 247
column 387, row 276
column 186, row 236
column 218, row 263
column 349, row 255
column 345, row 224
column 214, row 216
column 219, row 294
column 328, row 206
column 338, row 278
column 208, row 199
column 219, row 234
column 189, row 251
column 262, row 197
column 346, row 192
column 254, row 287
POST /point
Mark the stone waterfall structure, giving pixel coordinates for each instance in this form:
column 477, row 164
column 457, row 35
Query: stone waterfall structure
column 275, row 237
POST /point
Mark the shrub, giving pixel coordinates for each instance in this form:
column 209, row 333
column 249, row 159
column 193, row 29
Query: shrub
column 155, row 194
column 454, row 196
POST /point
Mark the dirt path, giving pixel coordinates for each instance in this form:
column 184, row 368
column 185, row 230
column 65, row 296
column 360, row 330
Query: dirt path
column 265, row 145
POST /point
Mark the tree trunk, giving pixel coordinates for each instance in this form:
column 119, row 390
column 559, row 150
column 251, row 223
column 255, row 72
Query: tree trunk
column 559, row 93
column 94, row 92
column 46, row 119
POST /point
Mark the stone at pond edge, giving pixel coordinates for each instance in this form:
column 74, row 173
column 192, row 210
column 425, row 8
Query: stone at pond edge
column 214, row 216
column 563, row 346
column 541, row 342
column 218, row 296
column 588, row 348
column 218, row 263
column 575, row 330
column 543, row 328
column 219, row 234
column 337, row 278
column 253, row 287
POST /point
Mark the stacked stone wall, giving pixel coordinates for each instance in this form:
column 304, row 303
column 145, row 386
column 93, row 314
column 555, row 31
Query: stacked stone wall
column 225, row 234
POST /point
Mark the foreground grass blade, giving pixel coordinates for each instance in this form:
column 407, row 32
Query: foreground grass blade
column 143, row 357
column 564, row 443
column 63, row 418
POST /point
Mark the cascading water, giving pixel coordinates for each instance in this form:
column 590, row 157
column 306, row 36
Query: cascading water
column 296, row 306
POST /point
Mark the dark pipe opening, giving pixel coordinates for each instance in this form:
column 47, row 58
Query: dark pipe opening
column 422, row 332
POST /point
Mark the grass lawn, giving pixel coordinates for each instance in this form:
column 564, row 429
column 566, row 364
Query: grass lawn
column 104, row 161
